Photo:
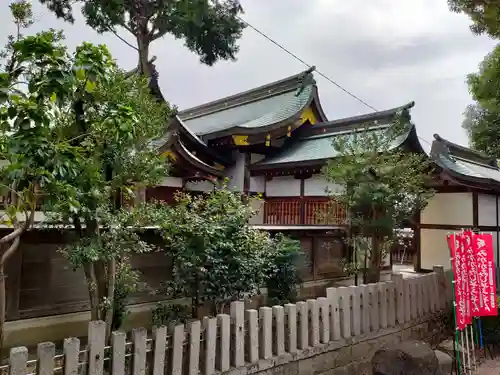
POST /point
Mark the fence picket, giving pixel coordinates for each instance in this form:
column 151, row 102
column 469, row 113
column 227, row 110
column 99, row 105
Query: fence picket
column 18, row 360
column 400, row 309
column 194, row 347
column 356, row 310
column 210, row 325
column 303, row 311
column 382, row 288
column 252, row 335
column 224, row 321
column 139, row 336
column 364, row 292
column 118, row 340
column 97, row 336
column 71, row 349
column 178, row 349
column 266, row 332
column 238, row 334
column 279, row 332
column 334, row 315
column 391, row 304
column 324, row 320
column 45, row 352
column 314, row 316
column 345, row 311
column 374, row 308
column 291, row 331
column 407, row 299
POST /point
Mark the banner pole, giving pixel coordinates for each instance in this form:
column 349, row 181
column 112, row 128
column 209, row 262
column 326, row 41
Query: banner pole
column 474, row 363
column 464, row 358
column 456, row 341
column 469, row 365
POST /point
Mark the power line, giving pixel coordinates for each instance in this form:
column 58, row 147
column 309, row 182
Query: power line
column 317, row 71
column 306, row 64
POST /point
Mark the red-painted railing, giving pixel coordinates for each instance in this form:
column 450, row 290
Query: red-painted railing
column 303, row 211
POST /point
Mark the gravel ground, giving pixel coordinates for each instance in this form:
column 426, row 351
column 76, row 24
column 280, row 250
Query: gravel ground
column 490, row 367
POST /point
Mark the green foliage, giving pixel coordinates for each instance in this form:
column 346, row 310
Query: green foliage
column 482, row 119
column 383, row 187
column 485, row 15
column 217, row 256
column 79, row 135
column 165, row 314
column 283, row 270
column 127, row 283
column 209, row 29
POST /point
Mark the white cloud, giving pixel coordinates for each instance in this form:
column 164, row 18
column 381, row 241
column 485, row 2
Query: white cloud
column 388, row 52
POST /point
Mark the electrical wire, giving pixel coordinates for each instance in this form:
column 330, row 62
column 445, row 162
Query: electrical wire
column 283, row 48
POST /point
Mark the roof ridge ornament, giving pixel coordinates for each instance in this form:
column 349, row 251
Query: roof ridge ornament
column 307, row 79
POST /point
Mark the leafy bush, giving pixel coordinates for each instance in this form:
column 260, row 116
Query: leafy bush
column 283, row 270
column 165, row 314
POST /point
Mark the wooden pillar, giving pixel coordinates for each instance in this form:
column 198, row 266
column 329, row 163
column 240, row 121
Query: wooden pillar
column 417, row 241
column 475, row 209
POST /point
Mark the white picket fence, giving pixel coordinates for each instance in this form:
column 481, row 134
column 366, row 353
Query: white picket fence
column 243, row 337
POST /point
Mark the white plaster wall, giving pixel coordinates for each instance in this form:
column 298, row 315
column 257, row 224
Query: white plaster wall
column 284, row 186
column 200, row 186
column 257, row 205
column 236, row 173
column 171, row 181
column 448, row 208
column 258, row 184
column 434, row 248
column 318, row 186
column 487, row 209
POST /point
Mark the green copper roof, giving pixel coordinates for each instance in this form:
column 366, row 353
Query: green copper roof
column 255, row 114
column 319, row 147
column 467, row 168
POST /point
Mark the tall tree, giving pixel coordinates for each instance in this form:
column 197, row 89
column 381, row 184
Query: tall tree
column 383, row 188
column 210, row 28
column 482, row 119
column 80, row 131
column 485, row 15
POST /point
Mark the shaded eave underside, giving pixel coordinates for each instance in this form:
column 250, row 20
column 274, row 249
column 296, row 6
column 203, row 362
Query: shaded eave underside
column 178, row 147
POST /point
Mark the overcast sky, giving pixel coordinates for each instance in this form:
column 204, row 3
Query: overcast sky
column 387, row 52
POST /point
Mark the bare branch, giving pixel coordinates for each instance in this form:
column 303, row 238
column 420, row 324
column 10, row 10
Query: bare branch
column 123, row 40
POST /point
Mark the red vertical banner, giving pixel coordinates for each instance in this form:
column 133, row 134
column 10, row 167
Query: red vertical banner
column 472, row 274
column 460, row 313
column 460, row 243
column 483, row 251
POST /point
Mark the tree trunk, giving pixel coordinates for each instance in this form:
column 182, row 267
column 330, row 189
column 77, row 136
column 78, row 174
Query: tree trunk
column 3, row 297
column 111, row 299
column 95, row 314
column 373, row 271
column 143, row 46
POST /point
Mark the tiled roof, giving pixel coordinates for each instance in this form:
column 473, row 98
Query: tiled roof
column 249, row 111
column 464, row 162
column 320, row 147
column 255, row 114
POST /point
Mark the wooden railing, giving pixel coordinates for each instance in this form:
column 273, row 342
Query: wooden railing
column 303, row 211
